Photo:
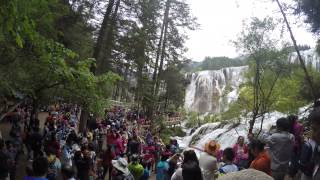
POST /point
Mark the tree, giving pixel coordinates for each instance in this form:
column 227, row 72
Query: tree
column 266, row 63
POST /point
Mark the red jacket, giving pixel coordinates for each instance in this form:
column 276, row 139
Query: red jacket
column 262, row 163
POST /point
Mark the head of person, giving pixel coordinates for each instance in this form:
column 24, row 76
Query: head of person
column 228, row 155
column 135, row 158
column 256, row 147
column 240, row 140
column 67, row 172
column 250, row 137
column 164, row 157
column 190, row 155
column 212, row 147
column 191, row 171
column 314, row 119
column 283, row 124
column 292, row 120
column 40, row 167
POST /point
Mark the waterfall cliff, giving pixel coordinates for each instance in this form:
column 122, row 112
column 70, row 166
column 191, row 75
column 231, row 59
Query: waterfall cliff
column 212, row 90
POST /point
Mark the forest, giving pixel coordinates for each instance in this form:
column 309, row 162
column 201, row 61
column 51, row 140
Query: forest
column 91, row 51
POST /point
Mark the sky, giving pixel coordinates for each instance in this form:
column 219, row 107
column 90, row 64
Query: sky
column 221, row 21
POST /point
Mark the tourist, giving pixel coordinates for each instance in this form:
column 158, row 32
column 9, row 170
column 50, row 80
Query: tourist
column 162, row 168
column 135, row 168
column 228, row 165
column 241, row 153
column 146, row 171
column 250, row 155
column 36, row 142
column 190, row 169
column 173, row 164
column 40, row 168
column 54, row 165
column 12, row 152
column 107, row 158
column 67, row 152
column 4, row 161
column 208, row 161
column 280, row 146
column 120, row 170
column 82, row 162
column 314, row 118
column 262, row 160
column 67, row 173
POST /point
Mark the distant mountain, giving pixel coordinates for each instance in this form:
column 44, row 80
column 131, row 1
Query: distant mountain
column 214, row 63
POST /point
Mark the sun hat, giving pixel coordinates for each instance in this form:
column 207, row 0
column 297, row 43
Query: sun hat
column 122, row 165
column 212, row 147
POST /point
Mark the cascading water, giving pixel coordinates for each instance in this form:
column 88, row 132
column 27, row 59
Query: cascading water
column 211, row 91
column 310, row 57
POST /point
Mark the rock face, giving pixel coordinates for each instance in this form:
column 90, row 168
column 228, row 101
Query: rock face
column 247, row 174
column 212, row 91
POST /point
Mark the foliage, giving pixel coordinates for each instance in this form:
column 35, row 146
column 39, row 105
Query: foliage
column 171, row 132
column 36, row 62
column 216, row 63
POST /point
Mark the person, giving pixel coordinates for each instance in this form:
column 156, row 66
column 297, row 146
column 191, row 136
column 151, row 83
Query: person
column 4, row 161
column 240, row 150
column 228, row 158
column 36, row 142
column 135, row 168
column 82, row 162
column 54, row 164
column 306, row 159
column 250, row 155
column 280, row 146
column 67, row 173
column 162, row 168
column 67, row 154
column 173, row 164
column 262, row 160
column 40, row 168
column 190, row 169
column 12, row 153
column 120, row 170
column 107, row 158
column 146, row 171
column 314, row 119
column 208, row 161
column 297, row 130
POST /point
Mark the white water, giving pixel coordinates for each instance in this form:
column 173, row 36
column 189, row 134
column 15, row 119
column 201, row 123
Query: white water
column 207, row 89
column 310, row 57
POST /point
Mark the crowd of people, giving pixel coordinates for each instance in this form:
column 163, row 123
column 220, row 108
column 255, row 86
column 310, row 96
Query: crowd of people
column 117, row 148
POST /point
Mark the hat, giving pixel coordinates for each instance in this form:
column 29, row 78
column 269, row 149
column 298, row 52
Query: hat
column 212, row 147
column 122, row 165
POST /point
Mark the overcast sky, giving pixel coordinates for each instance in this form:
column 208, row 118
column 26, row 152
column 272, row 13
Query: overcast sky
column 221, row 21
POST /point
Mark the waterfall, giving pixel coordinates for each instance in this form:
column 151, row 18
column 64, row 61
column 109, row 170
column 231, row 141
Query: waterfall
column 310, row 57
column 212, row 90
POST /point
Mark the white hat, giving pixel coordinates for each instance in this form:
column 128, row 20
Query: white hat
column 122, row 165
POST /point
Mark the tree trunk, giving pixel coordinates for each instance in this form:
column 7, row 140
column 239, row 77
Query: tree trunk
column 102, row 38
column 83, row 120
column 256, row 94
column 166, row 23
column 302, row 64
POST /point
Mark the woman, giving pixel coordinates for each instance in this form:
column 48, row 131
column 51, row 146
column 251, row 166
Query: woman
column 240, row 150
column 262, row 160
column 208, row 161
column 190, row 169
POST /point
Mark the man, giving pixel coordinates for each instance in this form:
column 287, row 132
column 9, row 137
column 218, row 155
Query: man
column 314, row 119
column 280, row 149
column 40, row 168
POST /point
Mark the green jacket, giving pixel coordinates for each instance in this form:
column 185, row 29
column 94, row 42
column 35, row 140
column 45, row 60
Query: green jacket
column 136, row 170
